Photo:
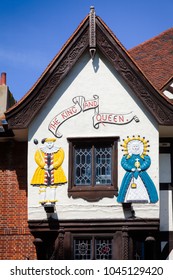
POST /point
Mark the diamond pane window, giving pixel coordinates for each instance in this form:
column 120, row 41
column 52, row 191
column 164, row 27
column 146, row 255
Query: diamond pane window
column 82, row 166
column 92, row 168
column 103, row 165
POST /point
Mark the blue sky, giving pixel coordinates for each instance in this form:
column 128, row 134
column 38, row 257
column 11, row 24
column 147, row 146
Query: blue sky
column 33, row 31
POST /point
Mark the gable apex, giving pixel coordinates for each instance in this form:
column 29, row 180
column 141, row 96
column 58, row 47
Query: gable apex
column 91, row 35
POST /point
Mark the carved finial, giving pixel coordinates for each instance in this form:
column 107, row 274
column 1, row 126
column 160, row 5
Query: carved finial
column 92, row 32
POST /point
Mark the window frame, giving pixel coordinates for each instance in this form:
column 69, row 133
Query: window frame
column 93, row 192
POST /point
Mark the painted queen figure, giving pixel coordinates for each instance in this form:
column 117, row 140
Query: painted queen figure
column 49, row 173
column 136, row 186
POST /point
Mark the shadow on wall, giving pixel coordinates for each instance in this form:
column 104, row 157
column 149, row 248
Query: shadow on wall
column 128, row 210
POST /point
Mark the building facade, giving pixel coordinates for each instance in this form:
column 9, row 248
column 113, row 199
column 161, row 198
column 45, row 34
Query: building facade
column 87, row 167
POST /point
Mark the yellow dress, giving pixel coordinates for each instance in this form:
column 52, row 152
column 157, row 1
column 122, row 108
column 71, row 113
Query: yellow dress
column 40, row 173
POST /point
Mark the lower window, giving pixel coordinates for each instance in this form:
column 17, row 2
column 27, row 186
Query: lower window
column 92, row 248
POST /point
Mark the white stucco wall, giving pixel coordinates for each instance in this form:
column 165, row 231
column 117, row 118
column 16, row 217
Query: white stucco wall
column 87, row 79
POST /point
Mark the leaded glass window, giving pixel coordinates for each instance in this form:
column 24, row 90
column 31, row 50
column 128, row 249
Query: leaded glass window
column 92, row 248
column 103, row 157
column 103, row 249
column 82, row 249
column 83, row 166
column 101, row 165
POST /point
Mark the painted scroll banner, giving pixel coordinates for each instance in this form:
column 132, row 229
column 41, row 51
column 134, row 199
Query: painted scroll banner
column 80, row 105
column 117, row 119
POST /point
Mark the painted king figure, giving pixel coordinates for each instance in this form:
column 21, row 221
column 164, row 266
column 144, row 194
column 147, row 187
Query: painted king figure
column 136, row 186
column 49, row 173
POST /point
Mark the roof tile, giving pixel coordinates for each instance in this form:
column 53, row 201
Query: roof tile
column 155, row 58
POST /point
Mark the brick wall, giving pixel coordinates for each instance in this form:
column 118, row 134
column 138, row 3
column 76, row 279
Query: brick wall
column 16, row 242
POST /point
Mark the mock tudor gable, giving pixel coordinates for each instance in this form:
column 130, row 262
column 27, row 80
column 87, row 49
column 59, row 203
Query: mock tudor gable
column 97, row 95
column 89, row 105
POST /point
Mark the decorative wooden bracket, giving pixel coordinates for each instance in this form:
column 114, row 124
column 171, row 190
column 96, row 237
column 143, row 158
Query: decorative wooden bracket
column 92, row 32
